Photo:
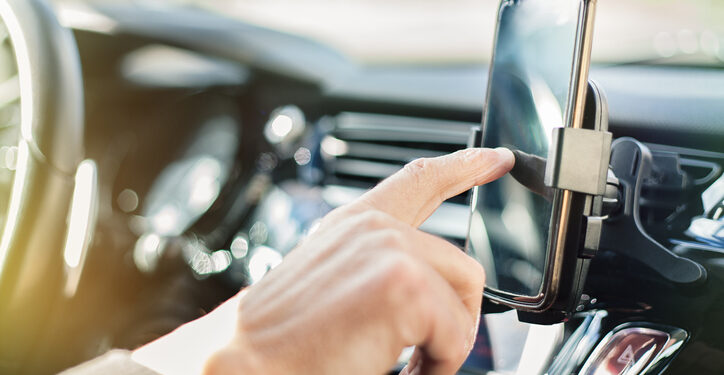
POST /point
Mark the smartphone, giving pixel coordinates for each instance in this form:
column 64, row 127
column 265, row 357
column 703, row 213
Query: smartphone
column 537, row 82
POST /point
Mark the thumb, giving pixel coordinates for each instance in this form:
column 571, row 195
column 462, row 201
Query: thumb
column 414, row 193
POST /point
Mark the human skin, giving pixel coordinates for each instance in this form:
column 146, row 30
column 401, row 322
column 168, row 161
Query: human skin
column 366, row 284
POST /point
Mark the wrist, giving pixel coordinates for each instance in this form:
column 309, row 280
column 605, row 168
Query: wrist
column 189, row 348
column 238, row 356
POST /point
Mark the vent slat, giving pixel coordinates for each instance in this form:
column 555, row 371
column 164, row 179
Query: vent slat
column 364, row 168
column 363, row 148
column 378, row 151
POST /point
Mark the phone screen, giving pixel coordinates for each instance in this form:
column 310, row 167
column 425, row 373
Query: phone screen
column 529, row 94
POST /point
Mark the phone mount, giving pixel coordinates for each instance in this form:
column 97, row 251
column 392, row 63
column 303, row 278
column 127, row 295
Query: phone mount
column 631, row 163
column 578, row 163
column 607, row 177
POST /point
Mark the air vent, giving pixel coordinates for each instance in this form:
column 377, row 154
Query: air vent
column 671, row 195
column 360, row 149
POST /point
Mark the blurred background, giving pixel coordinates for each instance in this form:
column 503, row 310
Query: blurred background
column 460, row 31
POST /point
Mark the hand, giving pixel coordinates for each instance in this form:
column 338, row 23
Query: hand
column 357, row 291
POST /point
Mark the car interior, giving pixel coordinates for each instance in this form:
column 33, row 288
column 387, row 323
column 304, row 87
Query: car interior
column 183, row 148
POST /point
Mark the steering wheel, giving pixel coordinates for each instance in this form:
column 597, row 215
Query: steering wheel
column 47, row 191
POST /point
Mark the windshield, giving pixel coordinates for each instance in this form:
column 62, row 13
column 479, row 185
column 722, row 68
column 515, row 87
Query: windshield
column 683, row 32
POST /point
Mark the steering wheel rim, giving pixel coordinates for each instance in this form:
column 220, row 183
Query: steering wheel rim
column 32, row 271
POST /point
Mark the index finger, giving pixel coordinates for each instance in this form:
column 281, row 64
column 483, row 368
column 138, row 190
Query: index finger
column 414, row 193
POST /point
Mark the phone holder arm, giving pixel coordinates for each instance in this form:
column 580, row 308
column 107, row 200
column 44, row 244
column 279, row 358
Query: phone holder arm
column 631, row 161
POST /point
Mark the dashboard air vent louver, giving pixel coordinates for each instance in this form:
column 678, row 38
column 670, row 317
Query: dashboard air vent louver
column 360, row 149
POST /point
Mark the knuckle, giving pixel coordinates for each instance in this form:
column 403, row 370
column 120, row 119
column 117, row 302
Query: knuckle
column 335, row 216
column 351, row 209
column 342, row 211
column 402, row 280
column 360, row 222
column 425, row 175
column 402, row 269
column 402, row 295
column 417, row 164
column 372, row 219
column 418, row 167
column 394, row 239
column 475, row 274
column 339, row 215
column 467, row 154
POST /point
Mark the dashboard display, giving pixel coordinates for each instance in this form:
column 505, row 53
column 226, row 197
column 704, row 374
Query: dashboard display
column 529, row 93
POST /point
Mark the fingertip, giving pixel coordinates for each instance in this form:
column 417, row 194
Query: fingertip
column 497, row 158
column 505, row 157
column 489, row 164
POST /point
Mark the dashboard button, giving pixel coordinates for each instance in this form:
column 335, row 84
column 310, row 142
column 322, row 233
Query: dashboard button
column 626, row 352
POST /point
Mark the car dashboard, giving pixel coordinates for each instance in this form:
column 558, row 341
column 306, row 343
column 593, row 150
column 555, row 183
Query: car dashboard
column 243, row 138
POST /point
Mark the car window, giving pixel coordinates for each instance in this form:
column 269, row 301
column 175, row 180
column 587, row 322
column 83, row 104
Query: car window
column 687, row 32
column 434, row 31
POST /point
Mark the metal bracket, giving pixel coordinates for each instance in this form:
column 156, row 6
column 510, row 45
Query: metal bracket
column 578, row 160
